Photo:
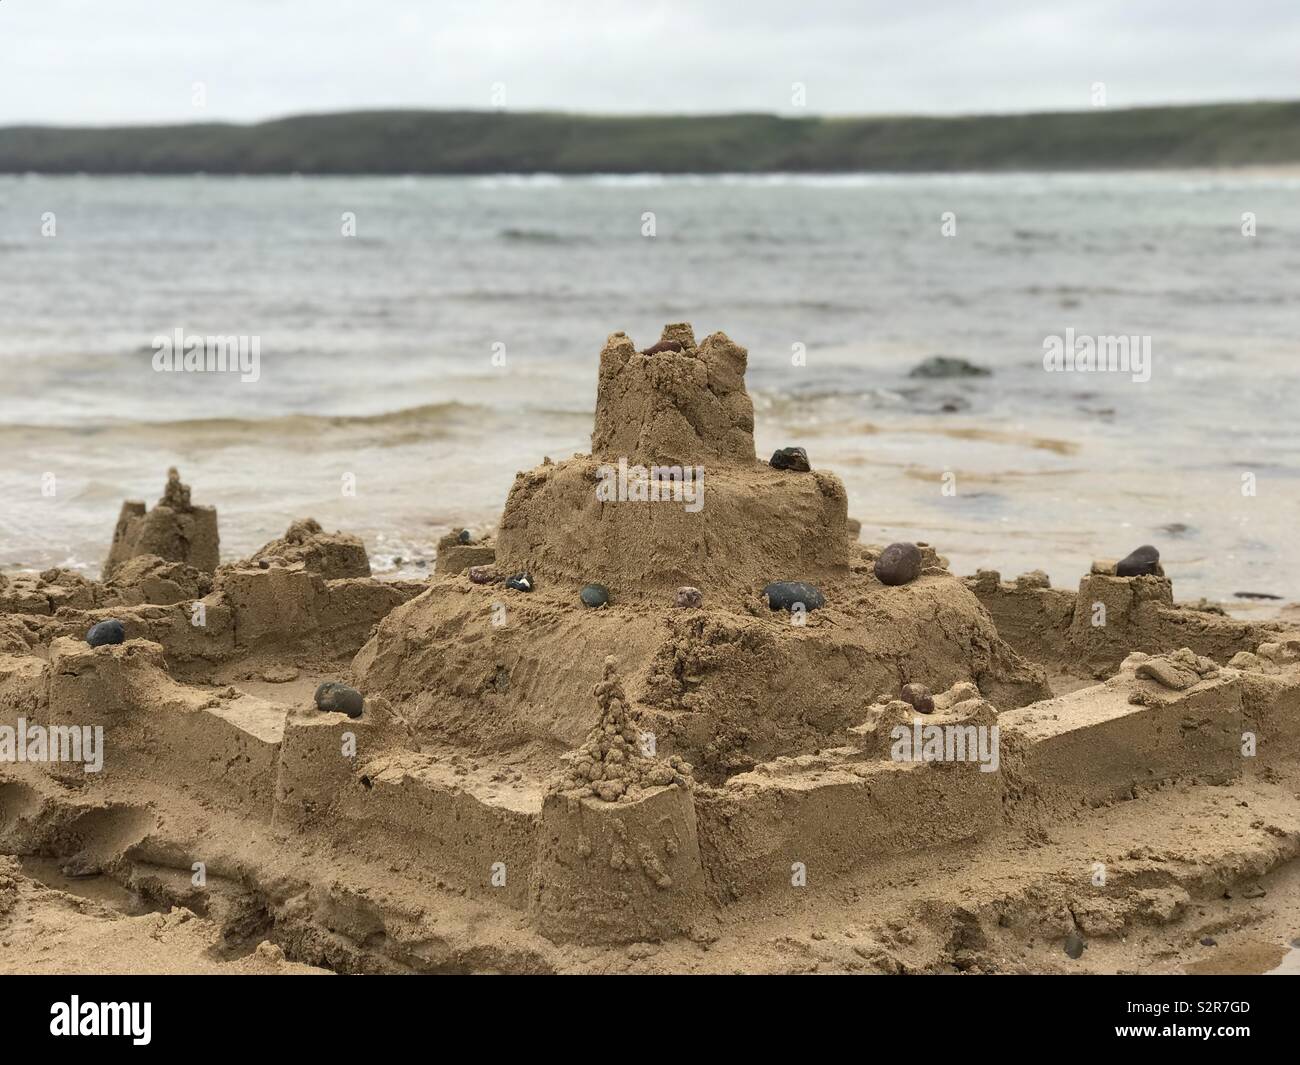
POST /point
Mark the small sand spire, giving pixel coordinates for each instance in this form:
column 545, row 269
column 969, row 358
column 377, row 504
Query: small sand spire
column 176, row 495
column 611, row 764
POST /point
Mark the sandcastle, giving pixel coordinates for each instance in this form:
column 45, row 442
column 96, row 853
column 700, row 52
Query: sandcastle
column 535, row 784
column 727, row 685
column 175, row 530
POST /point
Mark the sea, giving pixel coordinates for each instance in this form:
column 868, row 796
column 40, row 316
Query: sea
column 422, row 339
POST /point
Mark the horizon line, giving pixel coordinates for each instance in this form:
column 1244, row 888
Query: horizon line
column 796, row 116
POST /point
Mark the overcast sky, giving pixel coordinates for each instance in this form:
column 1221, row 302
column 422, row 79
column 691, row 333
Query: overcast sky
column 131, row 61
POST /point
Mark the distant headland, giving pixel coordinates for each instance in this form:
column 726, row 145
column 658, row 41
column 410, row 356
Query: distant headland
column 489, row 142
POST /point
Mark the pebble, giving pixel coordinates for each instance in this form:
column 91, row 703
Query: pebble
column 790, row 458
column 1209, row 941
column 1145, row 560
column 594, row 595
column 689, row 597
column 898, row 564
column 464, row 537
column 783, row 595
column 483, row 575
column 106, row 632
column 663, row 345
column 520, row 582
column 335, row 697
column 1074, row 945
column 919, row 696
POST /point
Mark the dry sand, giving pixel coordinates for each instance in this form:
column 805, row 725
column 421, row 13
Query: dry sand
column 535, row 786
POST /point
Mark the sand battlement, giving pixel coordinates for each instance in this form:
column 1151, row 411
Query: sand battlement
column 677, row 406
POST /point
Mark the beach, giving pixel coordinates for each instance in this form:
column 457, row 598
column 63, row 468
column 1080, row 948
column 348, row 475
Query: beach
column 645, row 722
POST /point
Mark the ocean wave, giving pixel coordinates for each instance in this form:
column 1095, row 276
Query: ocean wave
column 444, row 415
column 538, row 236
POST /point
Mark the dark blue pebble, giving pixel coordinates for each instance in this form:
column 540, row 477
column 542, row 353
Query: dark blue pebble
column 783, row 595
column 520, row 582
column 594, row 595
column 106, row 632
column 464, row 537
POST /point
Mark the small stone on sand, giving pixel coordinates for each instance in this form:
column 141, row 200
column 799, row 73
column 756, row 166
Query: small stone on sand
column 1142, row 562
column 786, row 595
column 919, row 697
column 790, row 458
column 333, row 697
column 663, row 345
column 898, row 564
column 688, row 597
column 594, row 595
column 106, row 632
column 520, row 582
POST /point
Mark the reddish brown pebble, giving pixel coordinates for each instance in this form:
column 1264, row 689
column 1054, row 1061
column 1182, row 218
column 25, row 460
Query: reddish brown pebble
column 663, row 345
column 689, row 597
column 483, row 575
column 899, row 564
column 919, row 696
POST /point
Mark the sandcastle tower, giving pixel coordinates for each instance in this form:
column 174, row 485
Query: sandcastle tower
column 175, row 530
column 673, row 494
column 675, row 423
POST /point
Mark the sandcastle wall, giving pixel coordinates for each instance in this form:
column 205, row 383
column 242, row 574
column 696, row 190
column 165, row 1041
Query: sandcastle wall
column 589, row 871
column 251, row 610
column 1091, row 631
column 725, row 687
column 756, row 524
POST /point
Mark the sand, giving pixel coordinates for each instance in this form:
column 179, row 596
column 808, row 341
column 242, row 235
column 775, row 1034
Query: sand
column 536, row 786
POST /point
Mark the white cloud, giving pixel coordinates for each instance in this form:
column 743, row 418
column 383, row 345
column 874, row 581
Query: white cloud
column 83, row 61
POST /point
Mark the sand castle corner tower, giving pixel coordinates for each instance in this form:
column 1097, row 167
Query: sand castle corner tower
column 672, row 492
column 175, row 530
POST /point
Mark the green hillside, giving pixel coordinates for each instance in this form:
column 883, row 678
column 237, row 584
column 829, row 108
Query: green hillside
column 462, row 142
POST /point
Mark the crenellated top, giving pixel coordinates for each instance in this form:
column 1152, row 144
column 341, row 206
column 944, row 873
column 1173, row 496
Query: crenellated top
column 675, row 403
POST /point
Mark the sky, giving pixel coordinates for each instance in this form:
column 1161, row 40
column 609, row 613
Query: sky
column 111, row 62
